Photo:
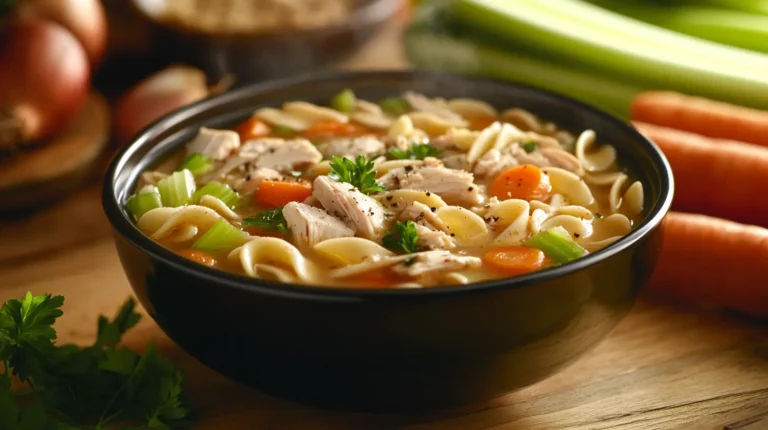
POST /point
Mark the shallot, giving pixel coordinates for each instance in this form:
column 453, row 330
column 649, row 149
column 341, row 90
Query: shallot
column 44, row 79
column 85, row 19
column 157, row 95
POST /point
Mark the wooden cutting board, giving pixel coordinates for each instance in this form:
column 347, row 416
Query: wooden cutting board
column 664, row 367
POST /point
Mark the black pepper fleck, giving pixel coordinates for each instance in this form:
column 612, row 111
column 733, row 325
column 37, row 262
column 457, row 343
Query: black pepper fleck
column 433, row 209
column 470, row 189
column 389, row 197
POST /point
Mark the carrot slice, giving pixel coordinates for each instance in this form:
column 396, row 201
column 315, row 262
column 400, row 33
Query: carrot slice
column 481, row 123
column 713, row 261
column 714, row 177
column 199, row 256
column 273, row 194
column 252, row 128
column 380, row 279
column 525, row 182
column 332, row 129
column 516, row 260
column 702, row 116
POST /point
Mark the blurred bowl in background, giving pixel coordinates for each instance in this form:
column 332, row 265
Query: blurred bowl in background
column 259, row 56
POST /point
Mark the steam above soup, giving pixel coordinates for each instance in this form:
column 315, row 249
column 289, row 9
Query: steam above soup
column 409, row 192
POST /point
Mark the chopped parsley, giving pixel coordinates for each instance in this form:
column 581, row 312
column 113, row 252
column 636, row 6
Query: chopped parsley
column 417, row 151
column 403, row 239
column 529, row 146
column 101, row 386
column 271, row 220
column 359, row 173
column 598, row 216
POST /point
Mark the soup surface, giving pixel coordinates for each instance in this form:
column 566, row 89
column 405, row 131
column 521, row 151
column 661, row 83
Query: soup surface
column 408, row 192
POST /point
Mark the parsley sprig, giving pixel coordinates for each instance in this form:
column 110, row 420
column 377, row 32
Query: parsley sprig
column 359, row 173
column 271, row 220
column 72, row 387
column 417, row 151
column 403, row 239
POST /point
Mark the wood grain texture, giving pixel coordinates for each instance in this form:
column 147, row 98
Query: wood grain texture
column 664, row 367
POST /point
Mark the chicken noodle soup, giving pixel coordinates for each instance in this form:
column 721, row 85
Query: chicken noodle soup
column 406, row 192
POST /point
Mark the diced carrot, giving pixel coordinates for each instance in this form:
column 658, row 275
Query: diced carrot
column 714, row 177
column 252, row 128
column 713, row 261
column 333, row 129
column 516, row 260
column 379, row 279
column 702, row 116
column 273, row 194
column 199, row 256
column 481, row 123
column 525, row 182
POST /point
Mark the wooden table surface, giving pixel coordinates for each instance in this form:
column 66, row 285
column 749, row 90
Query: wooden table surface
column 664, row 367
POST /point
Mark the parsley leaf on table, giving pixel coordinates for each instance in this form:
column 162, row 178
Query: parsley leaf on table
column 271, row 220
column 359, row 173
column 99, row 386
column 417, row 151
column 404, row 239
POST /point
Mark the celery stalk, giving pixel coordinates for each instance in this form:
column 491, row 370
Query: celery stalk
column 145, row 200
column 460, row 55
column 177, row 189
column 581, row 33
column 735, row 28
column 753, row 6
column 221, row 191
column 559, row 247
column 222, row 237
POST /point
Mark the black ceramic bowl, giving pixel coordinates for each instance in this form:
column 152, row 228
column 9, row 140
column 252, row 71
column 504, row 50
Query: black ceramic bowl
column 389, row 349
column 253, row 57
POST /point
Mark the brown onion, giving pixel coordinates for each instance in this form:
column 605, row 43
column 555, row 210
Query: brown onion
column 157, row 95
column 85, row 19
column 44, row 79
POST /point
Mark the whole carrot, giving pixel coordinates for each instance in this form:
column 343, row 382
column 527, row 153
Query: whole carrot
column 715, row 177
column 714, row 261
column 702, row 116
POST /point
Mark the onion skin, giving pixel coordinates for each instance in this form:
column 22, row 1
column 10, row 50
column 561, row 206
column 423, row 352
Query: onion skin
column 44, row 80
column 85, row 19
column 155, row 96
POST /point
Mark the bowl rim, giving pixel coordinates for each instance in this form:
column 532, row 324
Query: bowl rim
column 126, row 228
column 366, row 11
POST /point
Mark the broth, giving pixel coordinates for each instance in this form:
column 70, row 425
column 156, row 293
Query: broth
column 409, row 192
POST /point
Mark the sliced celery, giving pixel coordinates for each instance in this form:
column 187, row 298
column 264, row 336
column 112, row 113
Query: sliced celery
column 197, row 163
column 345, row 101
column 177, row 189
column 558, row 247
column 395, row 106
column 221, row 191
column 145, row 200
column 581, row 33
column 222, row 237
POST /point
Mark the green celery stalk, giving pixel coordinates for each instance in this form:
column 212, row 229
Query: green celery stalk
column 730, row 27
column 578, row 32
column 559, row 247
column 221, row 237
column 753, row 6
column 427, row 50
